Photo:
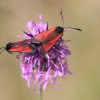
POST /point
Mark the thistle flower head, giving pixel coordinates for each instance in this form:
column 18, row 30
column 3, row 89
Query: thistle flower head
column 40, row 70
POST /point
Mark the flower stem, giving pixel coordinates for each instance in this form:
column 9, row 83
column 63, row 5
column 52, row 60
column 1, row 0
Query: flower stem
column 41, row 94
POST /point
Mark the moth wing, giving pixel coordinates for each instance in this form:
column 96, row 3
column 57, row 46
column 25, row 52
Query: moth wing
column 48, row 45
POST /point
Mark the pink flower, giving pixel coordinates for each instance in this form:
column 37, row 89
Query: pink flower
column 40, row 71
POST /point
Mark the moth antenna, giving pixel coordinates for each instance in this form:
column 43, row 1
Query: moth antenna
column 78, row 29
column 61, row 13
column 62, row 17
column 2, row 49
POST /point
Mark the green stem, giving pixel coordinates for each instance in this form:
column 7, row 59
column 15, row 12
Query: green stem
column 41, row 94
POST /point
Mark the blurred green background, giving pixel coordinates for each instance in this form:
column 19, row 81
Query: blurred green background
column 84, row 61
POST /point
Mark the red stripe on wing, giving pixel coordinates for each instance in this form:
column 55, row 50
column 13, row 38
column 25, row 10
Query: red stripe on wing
column 45, row 35
column 21, row 49
column 51, row 43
